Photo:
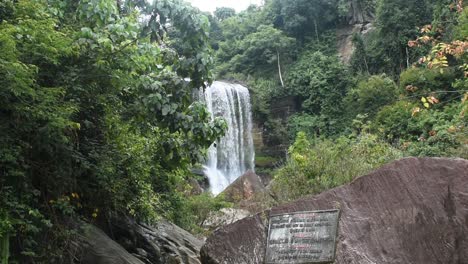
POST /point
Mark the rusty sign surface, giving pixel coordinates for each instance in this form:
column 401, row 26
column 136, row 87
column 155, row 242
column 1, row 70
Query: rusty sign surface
column 302, row 237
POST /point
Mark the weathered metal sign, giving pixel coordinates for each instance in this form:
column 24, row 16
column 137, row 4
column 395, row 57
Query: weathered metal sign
column 302, row 237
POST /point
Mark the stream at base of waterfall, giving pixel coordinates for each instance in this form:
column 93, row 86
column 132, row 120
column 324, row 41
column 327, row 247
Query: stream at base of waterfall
column 232, row 155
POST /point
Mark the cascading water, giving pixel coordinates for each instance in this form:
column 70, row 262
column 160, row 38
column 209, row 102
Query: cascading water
column 233, row 154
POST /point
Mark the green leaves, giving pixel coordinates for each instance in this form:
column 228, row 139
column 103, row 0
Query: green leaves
column 316, row 166
column 424, row 101
column 370, row 95
column 97, row 12
column 166, row 109
column 90, row 105
column 195, row 54
column 303, row 18
column 395, row 27
column 222, row 13
column 320, row 82
column 259, row 49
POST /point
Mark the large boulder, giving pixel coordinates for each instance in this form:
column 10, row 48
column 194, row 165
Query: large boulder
column 130, row 242
column 97, row 248
column 414, row 210
column 248, row 193
column 162, row 243
column 244, row 188
column 223, row 217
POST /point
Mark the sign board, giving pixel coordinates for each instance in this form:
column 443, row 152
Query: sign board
column 302, row 237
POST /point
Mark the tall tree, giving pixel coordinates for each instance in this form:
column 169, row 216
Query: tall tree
column 262, row 50
column 320, row 82
column 397, row 23
column 222, row 13
column 303, row 18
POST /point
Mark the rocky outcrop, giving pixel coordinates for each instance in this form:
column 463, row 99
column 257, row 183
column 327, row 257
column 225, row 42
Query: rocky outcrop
column 358, row 13
column 359, row 21
column 243, row 188
column 130, row 242
column 345, row 39
column 223, row 217
column 242, row 242
column 248, row 193
column 97, row 248
column 257, row 136
column 414, row 210
column 161, row 243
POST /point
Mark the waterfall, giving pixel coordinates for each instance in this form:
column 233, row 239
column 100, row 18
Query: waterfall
column 232, row 155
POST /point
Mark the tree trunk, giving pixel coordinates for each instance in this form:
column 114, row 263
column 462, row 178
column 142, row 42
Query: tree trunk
column 407, row 58
column 279, row 68
column 365, row 63
column 4, row 248
column 316, row 30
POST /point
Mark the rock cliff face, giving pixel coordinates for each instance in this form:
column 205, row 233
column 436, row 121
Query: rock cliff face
column 410, row 211
column 358, row 13
column 345, row 39
column 360, row 19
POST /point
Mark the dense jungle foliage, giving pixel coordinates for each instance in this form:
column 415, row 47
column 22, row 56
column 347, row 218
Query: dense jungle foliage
column 97, row 118
column 403, row 91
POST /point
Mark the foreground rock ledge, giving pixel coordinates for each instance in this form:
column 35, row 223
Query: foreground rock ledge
column 137, row 243
column 414, row 210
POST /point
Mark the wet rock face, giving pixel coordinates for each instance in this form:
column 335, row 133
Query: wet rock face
column 410, row 211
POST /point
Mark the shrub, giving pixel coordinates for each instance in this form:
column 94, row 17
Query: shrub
column 306, row 123
column 320, row 82
column 197, row 209
column 394, row 122
column 313, row 168
column 370, row 95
